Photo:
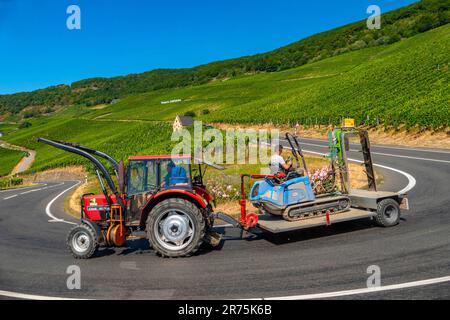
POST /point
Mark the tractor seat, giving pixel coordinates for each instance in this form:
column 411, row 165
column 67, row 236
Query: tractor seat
column 177, row 177
column 277, row 179
column 295, row 174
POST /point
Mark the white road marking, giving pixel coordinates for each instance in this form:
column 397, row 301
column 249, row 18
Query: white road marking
column 413, row 149
column 18, row 189
column 31, row 296
column 314, row 145
column 33, row 190
column 409, row 157
column 48, row 211
column 363, row 290
column 403, row 156
column 323, row 295
column 411, row 180
column 387, row 147
column 10, row 197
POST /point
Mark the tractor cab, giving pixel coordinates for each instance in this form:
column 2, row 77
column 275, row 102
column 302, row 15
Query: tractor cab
column 150, row 173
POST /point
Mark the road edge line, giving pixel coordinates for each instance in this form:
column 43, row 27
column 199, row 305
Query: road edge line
column 48, row 211
column 411, row 180
column 25, row 296
column 369, row 290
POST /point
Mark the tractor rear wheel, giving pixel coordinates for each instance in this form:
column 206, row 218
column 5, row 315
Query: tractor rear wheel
column 388, row 213
column 82, row 241
column 175, row 228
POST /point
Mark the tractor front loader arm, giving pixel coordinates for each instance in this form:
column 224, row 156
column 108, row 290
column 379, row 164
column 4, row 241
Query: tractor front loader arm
column 113, row 162
column 98, row 165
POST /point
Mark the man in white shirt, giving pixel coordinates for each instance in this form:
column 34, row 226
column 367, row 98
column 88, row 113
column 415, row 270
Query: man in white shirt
column 277, row 162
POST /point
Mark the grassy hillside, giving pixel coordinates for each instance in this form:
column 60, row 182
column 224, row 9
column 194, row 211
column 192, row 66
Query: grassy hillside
column 406, row 82
column 8, row 160
column 120, row 139
column 396, row 25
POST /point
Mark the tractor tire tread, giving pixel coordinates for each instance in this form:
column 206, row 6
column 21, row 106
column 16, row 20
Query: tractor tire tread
column 93, row 247
column 380, row 218
column 200, row 222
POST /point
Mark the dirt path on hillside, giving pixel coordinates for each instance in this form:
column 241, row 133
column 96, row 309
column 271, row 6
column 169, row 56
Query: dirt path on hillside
column 25, row 163
column 100, row 118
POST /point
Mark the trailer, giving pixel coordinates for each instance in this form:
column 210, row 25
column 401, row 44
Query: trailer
column 373, row 210
column 286, row 202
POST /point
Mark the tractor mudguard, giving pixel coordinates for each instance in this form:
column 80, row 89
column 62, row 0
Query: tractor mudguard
column 96, row 228
column 170, row 193
column 167, row 193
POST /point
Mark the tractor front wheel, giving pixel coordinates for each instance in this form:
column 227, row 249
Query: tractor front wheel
column 82, row 241
column 175, row 228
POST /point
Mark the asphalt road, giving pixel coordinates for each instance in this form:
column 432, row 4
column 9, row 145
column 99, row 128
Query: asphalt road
column 34, row 260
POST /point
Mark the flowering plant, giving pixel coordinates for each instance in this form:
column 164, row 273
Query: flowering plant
column 322, row 180
column 222, row 189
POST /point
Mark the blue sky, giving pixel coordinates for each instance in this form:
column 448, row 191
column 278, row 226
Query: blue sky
column 130, row 36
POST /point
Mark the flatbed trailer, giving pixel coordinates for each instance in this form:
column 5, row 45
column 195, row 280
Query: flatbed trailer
column 276, row 224
column 382, row 206
column 365, row 204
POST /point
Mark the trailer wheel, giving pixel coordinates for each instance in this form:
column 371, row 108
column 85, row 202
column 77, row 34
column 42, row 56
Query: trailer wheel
column 175, row 228
column 82, row 241
column 388, row 213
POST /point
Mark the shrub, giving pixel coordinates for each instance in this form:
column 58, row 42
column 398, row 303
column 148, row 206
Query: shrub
column 25, row 124
column 358, row 45
column 7, row 183
column 190, row 114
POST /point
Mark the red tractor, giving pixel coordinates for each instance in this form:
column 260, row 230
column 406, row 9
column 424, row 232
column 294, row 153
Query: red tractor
column 161, row 198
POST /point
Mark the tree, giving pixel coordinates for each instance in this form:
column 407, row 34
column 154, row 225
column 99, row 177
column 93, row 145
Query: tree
column 190, row 114
column 25, row 124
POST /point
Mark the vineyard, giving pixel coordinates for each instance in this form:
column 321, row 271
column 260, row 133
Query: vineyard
column 402, row 83
column 120, row 139
column 8, row 160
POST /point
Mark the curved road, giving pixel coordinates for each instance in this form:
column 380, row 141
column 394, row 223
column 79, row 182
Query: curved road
column 332, row 259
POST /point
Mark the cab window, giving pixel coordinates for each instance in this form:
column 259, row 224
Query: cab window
column 142, row 176
column 175, row 173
